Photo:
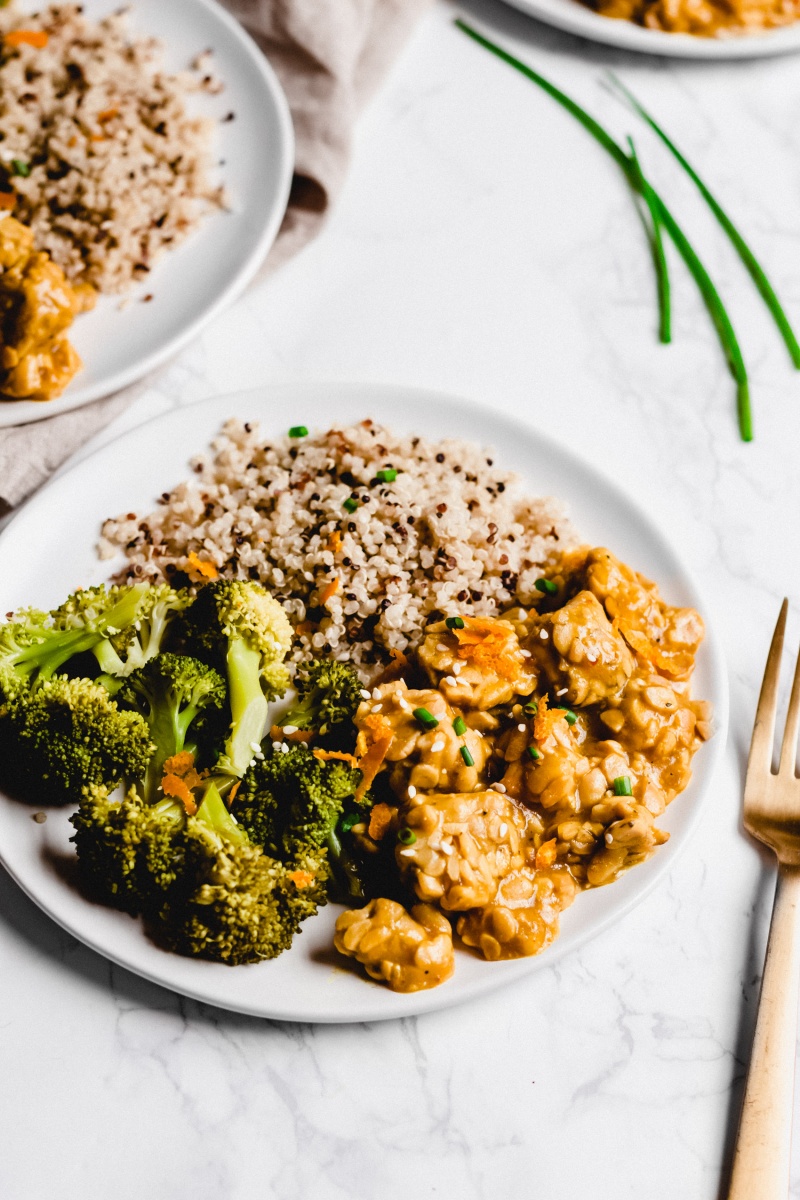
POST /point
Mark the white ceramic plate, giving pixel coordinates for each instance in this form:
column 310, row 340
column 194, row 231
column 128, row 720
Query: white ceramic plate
column 310, row 982
column 209, row 270
column 574, row 17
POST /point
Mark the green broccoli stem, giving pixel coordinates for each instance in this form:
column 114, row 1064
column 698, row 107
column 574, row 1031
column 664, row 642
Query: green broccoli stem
column 344, row 867
column 212, row 812
column 59, row 646
column 249, row 707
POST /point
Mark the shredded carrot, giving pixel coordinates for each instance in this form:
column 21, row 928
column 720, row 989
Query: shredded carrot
column 27, row 37
column 173, row 785
column 379, row 821
column 200, row 567
column 8, row 199
column 393, row 670
column 233, row 791
column 329, row 590
column 301, row 879
column 337, row 755
column 373, row 744
column 546, row 854
column 335, row 541
column 300, row 735
column 489, row 645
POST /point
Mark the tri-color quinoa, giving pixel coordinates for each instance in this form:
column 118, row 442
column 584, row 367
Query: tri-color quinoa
column 364, row 535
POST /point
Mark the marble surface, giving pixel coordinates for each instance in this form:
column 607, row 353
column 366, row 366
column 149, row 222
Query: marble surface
column 484, row 246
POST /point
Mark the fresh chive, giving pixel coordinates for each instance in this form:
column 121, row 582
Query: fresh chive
column 387, row 475
column 622, row 786
column 467, row 757
column 534, row 753
column 749, row 259
column 714, row 305
column 569, row 716
column 406, row 836
column 20, row 167
column 531, row 708
column 350, row 504
column 426, row 718
column 347, row 823
column 546, row 587
column 659, row 257
column 298, row 431
column 454, row 622
column 460, row 726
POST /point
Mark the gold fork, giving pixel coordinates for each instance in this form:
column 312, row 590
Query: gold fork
column 772, row 814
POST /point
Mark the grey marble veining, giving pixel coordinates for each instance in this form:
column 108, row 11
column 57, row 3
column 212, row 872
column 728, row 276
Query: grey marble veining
column 484, row 246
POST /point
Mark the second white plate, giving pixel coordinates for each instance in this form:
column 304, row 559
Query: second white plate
column 574, row 17
column 310, row 982
column 213, row 266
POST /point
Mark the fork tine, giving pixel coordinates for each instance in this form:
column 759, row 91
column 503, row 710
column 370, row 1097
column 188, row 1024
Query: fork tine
column 789, row 744
column 764, row 728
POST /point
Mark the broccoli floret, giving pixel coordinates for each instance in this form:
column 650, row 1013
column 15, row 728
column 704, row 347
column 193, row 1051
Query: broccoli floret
column 291, row 803
column 62, row 735
column 329, row 693
column 182, row 700
column 241, row 630
column 203, row 887
column 37, row 645
column 131, row 644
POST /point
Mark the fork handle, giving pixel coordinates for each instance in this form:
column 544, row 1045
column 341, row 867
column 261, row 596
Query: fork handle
column 763, row 1149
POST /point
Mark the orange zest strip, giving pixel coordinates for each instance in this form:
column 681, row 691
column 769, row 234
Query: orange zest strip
column 27, row 37
column 8, row 199
column 330, row 590
column 392, row 670
column 545, row 720
column 380, row 735
column 335, row 541
column 299, row 735
column 379, row 821
column 107, row 114
column 301, row 879
column 546, row 855
column 173, row 785
column 199, row 566
column 233, row 791
column 179, row 764
column 335, row 756
column 489, row 645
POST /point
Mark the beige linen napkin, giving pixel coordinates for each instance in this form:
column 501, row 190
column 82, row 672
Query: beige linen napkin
column 330, row 55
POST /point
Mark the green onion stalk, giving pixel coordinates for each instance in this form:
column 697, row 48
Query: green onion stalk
column 662, row 218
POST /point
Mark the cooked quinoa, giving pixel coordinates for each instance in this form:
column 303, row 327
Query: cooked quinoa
column 364, row 535
column 96, row 144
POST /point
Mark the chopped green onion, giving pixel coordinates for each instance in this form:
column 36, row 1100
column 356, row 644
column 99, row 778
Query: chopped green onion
column 569, row 716
column 467, row 757
column 460, row 726
column 740, row 245
column 387, row 475
column 298, row 431
column 454, row 622
column 347, row 823
column 546, row 586
column 716, row 309
column 19, row 167
column 406, row 836
column 426, row 718
column 531, row 708
column 350, row 504
column 534, row 753
column 622, row 786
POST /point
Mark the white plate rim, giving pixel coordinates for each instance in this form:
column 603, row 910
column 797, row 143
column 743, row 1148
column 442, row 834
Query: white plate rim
column 388, row 1005
column 571, row 16
column 12, row 412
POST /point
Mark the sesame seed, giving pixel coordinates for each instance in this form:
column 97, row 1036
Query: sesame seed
column 526, row 653
column 437, row 746
column 441, row 646
column 451, row 680
column 284, row 747
column 543, row 635
column 503, row 829
column 520, row 727
column 561, row 691
column 376, row 694
column 365, row 695
column 499, row 787
column 412, row 791
column 408, row 852
column 457, row 668
column 377, row 707
column 290, row 728
column 254, row 746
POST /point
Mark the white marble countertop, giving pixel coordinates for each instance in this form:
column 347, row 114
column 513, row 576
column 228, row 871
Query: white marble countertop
column 484, row 246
